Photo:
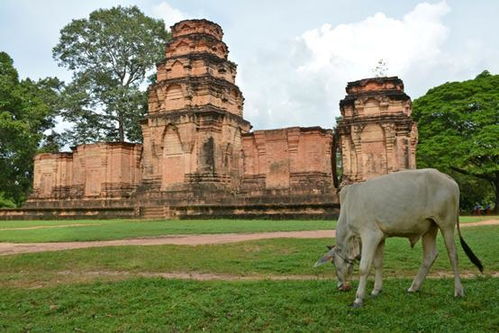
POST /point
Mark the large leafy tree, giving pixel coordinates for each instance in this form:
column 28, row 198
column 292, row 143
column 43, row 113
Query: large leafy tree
column 27, row 111
column 110, row 54
column 459, row 133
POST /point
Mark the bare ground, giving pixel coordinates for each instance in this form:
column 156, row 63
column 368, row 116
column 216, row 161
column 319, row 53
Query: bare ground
column 193, row 240
column 232, row 277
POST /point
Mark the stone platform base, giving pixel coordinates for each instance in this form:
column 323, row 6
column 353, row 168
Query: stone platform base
column 68, row 213
column 249, row 211
column 202, row 211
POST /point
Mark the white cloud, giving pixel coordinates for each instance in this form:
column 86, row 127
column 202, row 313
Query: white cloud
column 305, row 88
column 169, row 14
column 416, row 37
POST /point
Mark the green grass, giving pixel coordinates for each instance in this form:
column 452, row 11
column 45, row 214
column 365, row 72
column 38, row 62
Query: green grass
column 467, row 219
column 157, row 305
column 263, row 257
column 55, row 292
column 88, row 230
column 123, row 229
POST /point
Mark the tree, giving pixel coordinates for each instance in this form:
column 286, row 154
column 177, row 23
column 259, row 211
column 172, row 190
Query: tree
column 458, row 126
column 27, row 110
column 110, row 54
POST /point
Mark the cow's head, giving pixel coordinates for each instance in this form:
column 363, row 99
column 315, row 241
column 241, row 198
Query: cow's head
column 344, row 267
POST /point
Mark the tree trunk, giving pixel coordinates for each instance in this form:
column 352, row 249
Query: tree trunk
column 496, row 191
column 121, row 130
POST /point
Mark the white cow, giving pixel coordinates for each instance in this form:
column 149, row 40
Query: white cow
column 411, row 204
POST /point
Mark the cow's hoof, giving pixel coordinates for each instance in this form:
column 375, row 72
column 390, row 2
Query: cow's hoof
column 356, row 305
column 375, row 293
column 412, row 291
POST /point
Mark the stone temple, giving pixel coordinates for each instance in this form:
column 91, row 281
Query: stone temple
column 201, row 158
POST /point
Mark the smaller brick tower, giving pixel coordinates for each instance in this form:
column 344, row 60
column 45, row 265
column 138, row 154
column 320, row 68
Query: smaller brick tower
column 376, row 132
column 192, row 134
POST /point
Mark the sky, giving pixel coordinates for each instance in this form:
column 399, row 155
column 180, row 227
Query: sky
column 294, row 57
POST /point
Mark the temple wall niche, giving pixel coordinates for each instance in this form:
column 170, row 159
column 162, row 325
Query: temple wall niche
column 278, row 161
column 373, row 150
column 173, row 97
column 371, row 108
column 177, row 70
column 173, row 158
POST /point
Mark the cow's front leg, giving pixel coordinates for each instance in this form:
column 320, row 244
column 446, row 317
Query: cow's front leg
column 369, row 246
column 378, row 266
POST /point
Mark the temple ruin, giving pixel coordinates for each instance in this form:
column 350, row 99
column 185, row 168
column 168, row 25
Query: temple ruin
column 200, row 157
column 376, row 133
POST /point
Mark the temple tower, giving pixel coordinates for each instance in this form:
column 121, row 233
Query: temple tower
column 192, row 134
column 376, row 132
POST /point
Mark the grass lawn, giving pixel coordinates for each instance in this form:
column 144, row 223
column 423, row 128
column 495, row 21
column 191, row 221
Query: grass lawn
column 87, row 230
column 53, row 291
column 260, row 258
column 158, row 305
column 466, row 219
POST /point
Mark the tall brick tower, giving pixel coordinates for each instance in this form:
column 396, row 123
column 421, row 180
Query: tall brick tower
column 192, row 134
column 376, row 132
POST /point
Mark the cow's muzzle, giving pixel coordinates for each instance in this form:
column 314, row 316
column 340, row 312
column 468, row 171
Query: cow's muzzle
column 344, row 287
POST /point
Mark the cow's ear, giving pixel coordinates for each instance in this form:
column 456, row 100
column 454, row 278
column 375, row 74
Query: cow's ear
column 330, row 247
column 324, row 259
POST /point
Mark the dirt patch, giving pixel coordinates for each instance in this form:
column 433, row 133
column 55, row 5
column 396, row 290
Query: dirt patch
column 231, row 277
column 479, row 223
column 51, row 226
column 192, row 240
column 70, row 277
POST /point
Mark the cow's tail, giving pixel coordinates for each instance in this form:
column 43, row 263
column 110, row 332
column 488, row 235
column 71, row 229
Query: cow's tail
column 473, row 258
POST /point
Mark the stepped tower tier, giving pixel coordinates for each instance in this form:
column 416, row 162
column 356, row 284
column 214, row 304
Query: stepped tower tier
column 376, row 132
column 196, row 71
column 192, row 133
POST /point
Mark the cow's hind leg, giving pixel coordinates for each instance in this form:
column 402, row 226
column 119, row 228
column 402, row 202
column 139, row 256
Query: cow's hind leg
column 378, row 266
column 451, row 251
column 429, row 255
column 369, row 246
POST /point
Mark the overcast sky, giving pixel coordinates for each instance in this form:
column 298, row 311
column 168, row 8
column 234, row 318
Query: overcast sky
column 294, row 57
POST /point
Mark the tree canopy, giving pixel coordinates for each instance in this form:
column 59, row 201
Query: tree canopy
column 110, row 54
column 458, row 126
column 27, row 111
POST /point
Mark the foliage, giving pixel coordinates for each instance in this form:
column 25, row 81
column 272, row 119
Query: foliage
column 27, row 110
column 5, row 202
column 458, row 126
column 110, row 54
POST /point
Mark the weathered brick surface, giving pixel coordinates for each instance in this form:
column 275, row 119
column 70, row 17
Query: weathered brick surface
column 291, row 158
column 93, row 171
column 376, row 132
